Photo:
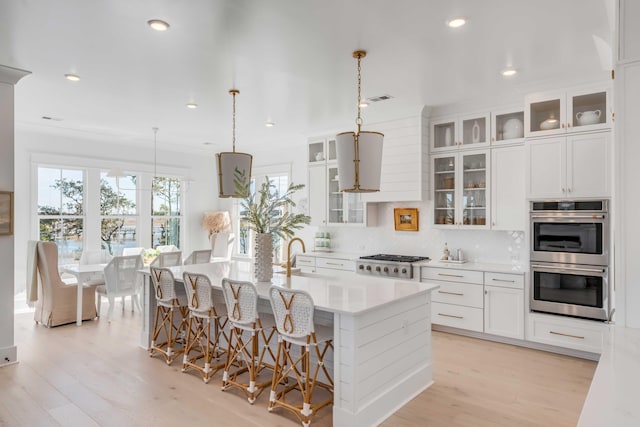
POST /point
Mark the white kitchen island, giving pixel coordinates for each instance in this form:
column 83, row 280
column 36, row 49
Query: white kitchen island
column 382, row 334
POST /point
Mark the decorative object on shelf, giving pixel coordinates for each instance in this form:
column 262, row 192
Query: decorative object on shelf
column 447, row 136
column 234, row 169
column 216, row 222
column 445, row 252
column 512, row 128
column 359, row 153
column 6, row 213
column 319, row 156
column 475, row 132
column 588, row 117
column 266, row 213
column 550, row 123
column 406, row 219
column 322, row 242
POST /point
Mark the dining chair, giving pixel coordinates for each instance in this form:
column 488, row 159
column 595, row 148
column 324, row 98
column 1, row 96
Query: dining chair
column 167, row 248
column 293, row 312
column 120, row 276
column 222, row 245
column 167, row 259
column 132, row 251
column 56, row 303
column 202, row 256
column 101, row 256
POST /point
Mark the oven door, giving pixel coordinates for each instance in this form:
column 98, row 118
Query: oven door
column 574, row 238
column 573, row 290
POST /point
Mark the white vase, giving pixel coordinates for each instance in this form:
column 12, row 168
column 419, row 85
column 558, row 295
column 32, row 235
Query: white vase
column 263, row 255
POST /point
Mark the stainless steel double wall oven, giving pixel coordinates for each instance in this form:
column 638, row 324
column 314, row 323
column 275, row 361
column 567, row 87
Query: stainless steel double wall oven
column 570, row 258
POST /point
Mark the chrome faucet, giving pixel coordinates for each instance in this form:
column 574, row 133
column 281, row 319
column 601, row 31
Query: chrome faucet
column 289, row 253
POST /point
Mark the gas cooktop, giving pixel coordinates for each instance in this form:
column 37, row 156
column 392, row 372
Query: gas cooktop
column 395, row 258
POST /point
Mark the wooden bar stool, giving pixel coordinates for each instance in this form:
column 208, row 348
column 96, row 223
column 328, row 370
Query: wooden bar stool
column 168, row 302
column 249, row 338
column 207, row 311
column 293, row 311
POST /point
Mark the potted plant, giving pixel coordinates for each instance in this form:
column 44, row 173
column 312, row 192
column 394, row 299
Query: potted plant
column 266, row 213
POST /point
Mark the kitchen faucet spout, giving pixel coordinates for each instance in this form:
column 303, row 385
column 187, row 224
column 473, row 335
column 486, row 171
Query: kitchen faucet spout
column 289, row 253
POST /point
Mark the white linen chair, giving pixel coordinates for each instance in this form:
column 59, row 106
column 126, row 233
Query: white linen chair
column 120, row 277
column 222, row 246
column 95, row 257
column 202, row 256
column 167, row 248
column 168, row 259
column 132, row 251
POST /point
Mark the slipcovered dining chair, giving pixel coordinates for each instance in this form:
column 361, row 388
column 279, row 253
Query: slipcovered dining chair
column 198, row 257
column 120, row 277
column 168, row 259
column 56, row 304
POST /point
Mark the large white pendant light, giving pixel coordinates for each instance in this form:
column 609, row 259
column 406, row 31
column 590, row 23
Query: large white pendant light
column 234, row 169
column 359, row 153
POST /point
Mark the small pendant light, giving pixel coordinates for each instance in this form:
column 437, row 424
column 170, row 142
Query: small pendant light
column 359, row 153
column 234, row 169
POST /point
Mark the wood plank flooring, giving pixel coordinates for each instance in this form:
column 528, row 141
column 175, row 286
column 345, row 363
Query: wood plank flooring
column 96, row 375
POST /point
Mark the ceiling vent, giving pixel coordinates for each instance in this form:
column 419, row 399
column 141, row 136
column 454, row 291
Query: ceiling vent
column 55, row 119
column 379, row 98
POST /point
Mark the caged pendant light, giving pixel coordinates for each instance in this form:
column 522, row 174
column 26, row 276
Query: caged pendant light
column 234, row 169
column 359, row 153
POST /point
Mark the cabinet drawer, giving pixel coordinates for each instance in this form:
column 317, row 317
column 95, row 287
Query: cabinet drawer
column 305, row 261
column 452, row 275
column 457, row 316
column 515, row 281
column 569, row 333
column 466, row 294
column 336, row 264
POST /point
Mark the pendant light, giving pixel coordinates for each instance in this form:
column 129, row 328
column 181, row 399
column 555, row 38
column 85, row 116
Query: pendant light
column 234, row 169
column 359, row 153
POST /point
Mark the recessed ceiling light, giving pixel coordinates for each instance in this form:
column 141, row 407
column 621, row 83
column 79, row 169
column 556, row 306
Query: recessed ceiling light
column 457, row 22
column 364, row 104
column 158, row 24
column 508, row 72
column 72, row 77
column 192, row 105
column 269, row 124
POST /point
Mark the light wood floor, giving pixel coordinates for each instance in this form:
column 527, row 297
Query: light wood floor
column 97, row 375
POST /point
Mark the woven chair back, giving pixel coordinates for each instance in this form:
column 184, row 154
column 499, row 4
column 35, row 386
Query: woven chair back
column 293, row 311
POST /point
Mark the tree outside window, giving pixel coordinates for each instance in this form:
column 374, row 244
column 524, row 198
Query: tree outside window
column 166, row 211
column 118, row 211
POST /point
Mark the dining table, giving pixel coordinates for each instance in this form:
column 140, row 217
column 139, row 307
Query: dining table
column 83, row 273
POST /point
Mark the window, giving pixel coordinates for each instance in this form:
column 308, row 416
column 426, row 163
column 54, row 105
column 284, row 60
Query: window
column 61, row 210
column 118, row 213
column 166, row 215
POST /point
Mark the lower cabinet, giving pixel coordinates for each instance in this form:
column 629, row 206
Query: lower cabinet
column 319, row 264
column 578, row 334
column 306, row 263
column 504, row 305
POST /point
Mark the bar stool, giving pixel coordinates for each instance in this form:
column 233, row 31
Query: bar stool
column 241, row 299
column 206, row 309
column 293, row 311
column 168, row 301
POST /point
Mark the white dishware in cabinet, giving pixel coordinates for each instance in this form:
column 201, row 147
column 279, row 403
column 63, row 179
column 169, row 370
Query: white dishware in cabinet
column 460, row 132
column 508, row 196
column 320, row 150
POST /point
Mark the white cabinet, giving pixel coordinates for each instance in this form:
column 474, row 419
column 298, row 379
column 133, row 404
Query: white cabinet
column 461, row 189
column 306, row 263
column 504, row 305
column 508, row 205
column 346, row 208
column 321, row 149
column 579, row 110
column 461, row 131
column 317, row 187
column 324, row 264
column 629, row 31
column 575, row 166
column 578, row 334
column 507, row 126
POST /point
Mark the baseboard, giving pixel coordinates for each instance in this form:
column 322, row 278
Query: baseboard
column 8, row 356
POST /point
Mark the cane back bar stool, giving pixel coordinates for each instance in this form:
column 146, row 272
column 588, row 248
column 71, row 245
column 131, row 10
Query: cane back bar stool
column 293, row 311
column 207, row 311
column 241, row 299
column 168, row 302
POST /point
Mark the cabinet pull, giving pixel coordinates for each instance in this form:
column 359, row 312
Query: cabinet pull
column 449, row 275
column 566, row 335
column 451, row 293
column 502, row 280
column 335, row 263
column 450, row 315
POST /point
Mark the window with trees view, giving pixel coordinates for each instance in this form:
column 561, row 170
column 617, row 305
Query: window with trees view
column 61, row 210
column 118, row 212
column 166, row 211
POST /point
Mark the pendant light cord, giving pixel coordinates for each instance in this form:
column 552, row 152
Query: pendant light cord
column 234, row 92
column 359, row 119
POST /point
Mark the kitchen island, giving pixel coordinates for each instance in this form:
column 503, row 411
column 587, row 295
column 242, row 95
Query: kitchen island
column 382, row 334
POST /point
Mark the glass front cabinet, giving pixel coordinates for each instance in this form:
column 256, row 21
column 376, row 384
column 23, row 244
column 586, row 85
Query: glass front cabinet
column 461, row 189
column 321, row 150
column 343, row 208
column 469, row 131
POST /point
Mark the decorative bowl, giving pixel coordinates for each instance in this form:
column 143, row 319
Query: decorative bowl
column 549, row 124
column 512, row 128
column 588, row 117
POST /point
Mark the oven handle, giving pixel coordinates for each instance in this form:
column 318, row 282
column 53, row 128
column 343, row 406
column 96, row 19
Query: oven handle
column 567, row 217
column 552, row 267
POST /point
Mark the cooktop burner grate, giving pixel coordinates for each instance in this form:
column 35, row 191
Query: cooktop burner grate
column 395, row 258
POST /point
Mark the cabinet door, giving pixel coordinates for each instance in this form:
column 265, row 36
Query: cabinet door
column 444, row 134
column 317, row 195
column 444, row 189
column 504, row 311
column 508, row 206
column 546, row 160
column 588, row 160
column 335, row 197
column 354, row 208
column 316, row 151
column 629, row 31
column 545, row 114
column 474, row 130
column 474, row 189
column 507, row 126
column 589, row 110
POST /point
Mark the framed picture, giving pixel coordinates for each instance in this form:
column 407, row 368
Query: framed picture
column 6, row 213
column 406, row 219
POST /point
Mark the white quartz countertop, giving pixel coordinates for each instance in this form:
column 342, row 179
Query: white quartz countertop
column 343, row 292
column 476, row 266
column 613, row 396
column 334, row 255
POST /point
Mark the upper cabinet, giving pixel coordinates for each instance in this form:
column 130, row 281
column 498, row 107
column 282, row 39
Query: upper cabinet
column 554, row 113
column 628, row 31
column 456, row 132
column 319, row 150
column 507, row 126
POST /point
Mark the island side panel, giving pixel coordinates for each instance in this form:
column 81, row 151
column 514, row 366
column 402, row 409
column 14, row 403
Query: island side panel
column 383, row 359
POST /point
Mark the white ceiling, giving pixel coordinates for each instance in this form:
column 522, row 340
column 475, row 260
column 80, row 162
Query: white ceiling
column 290, row 59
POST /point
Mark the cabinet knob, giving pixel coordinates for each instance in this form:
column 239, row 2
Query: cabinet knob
column 562, row 190
column 493, row 224
column 562, row 125
column 493, row 139
column 569, row 190
column 568, row 125
column 486, row 292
